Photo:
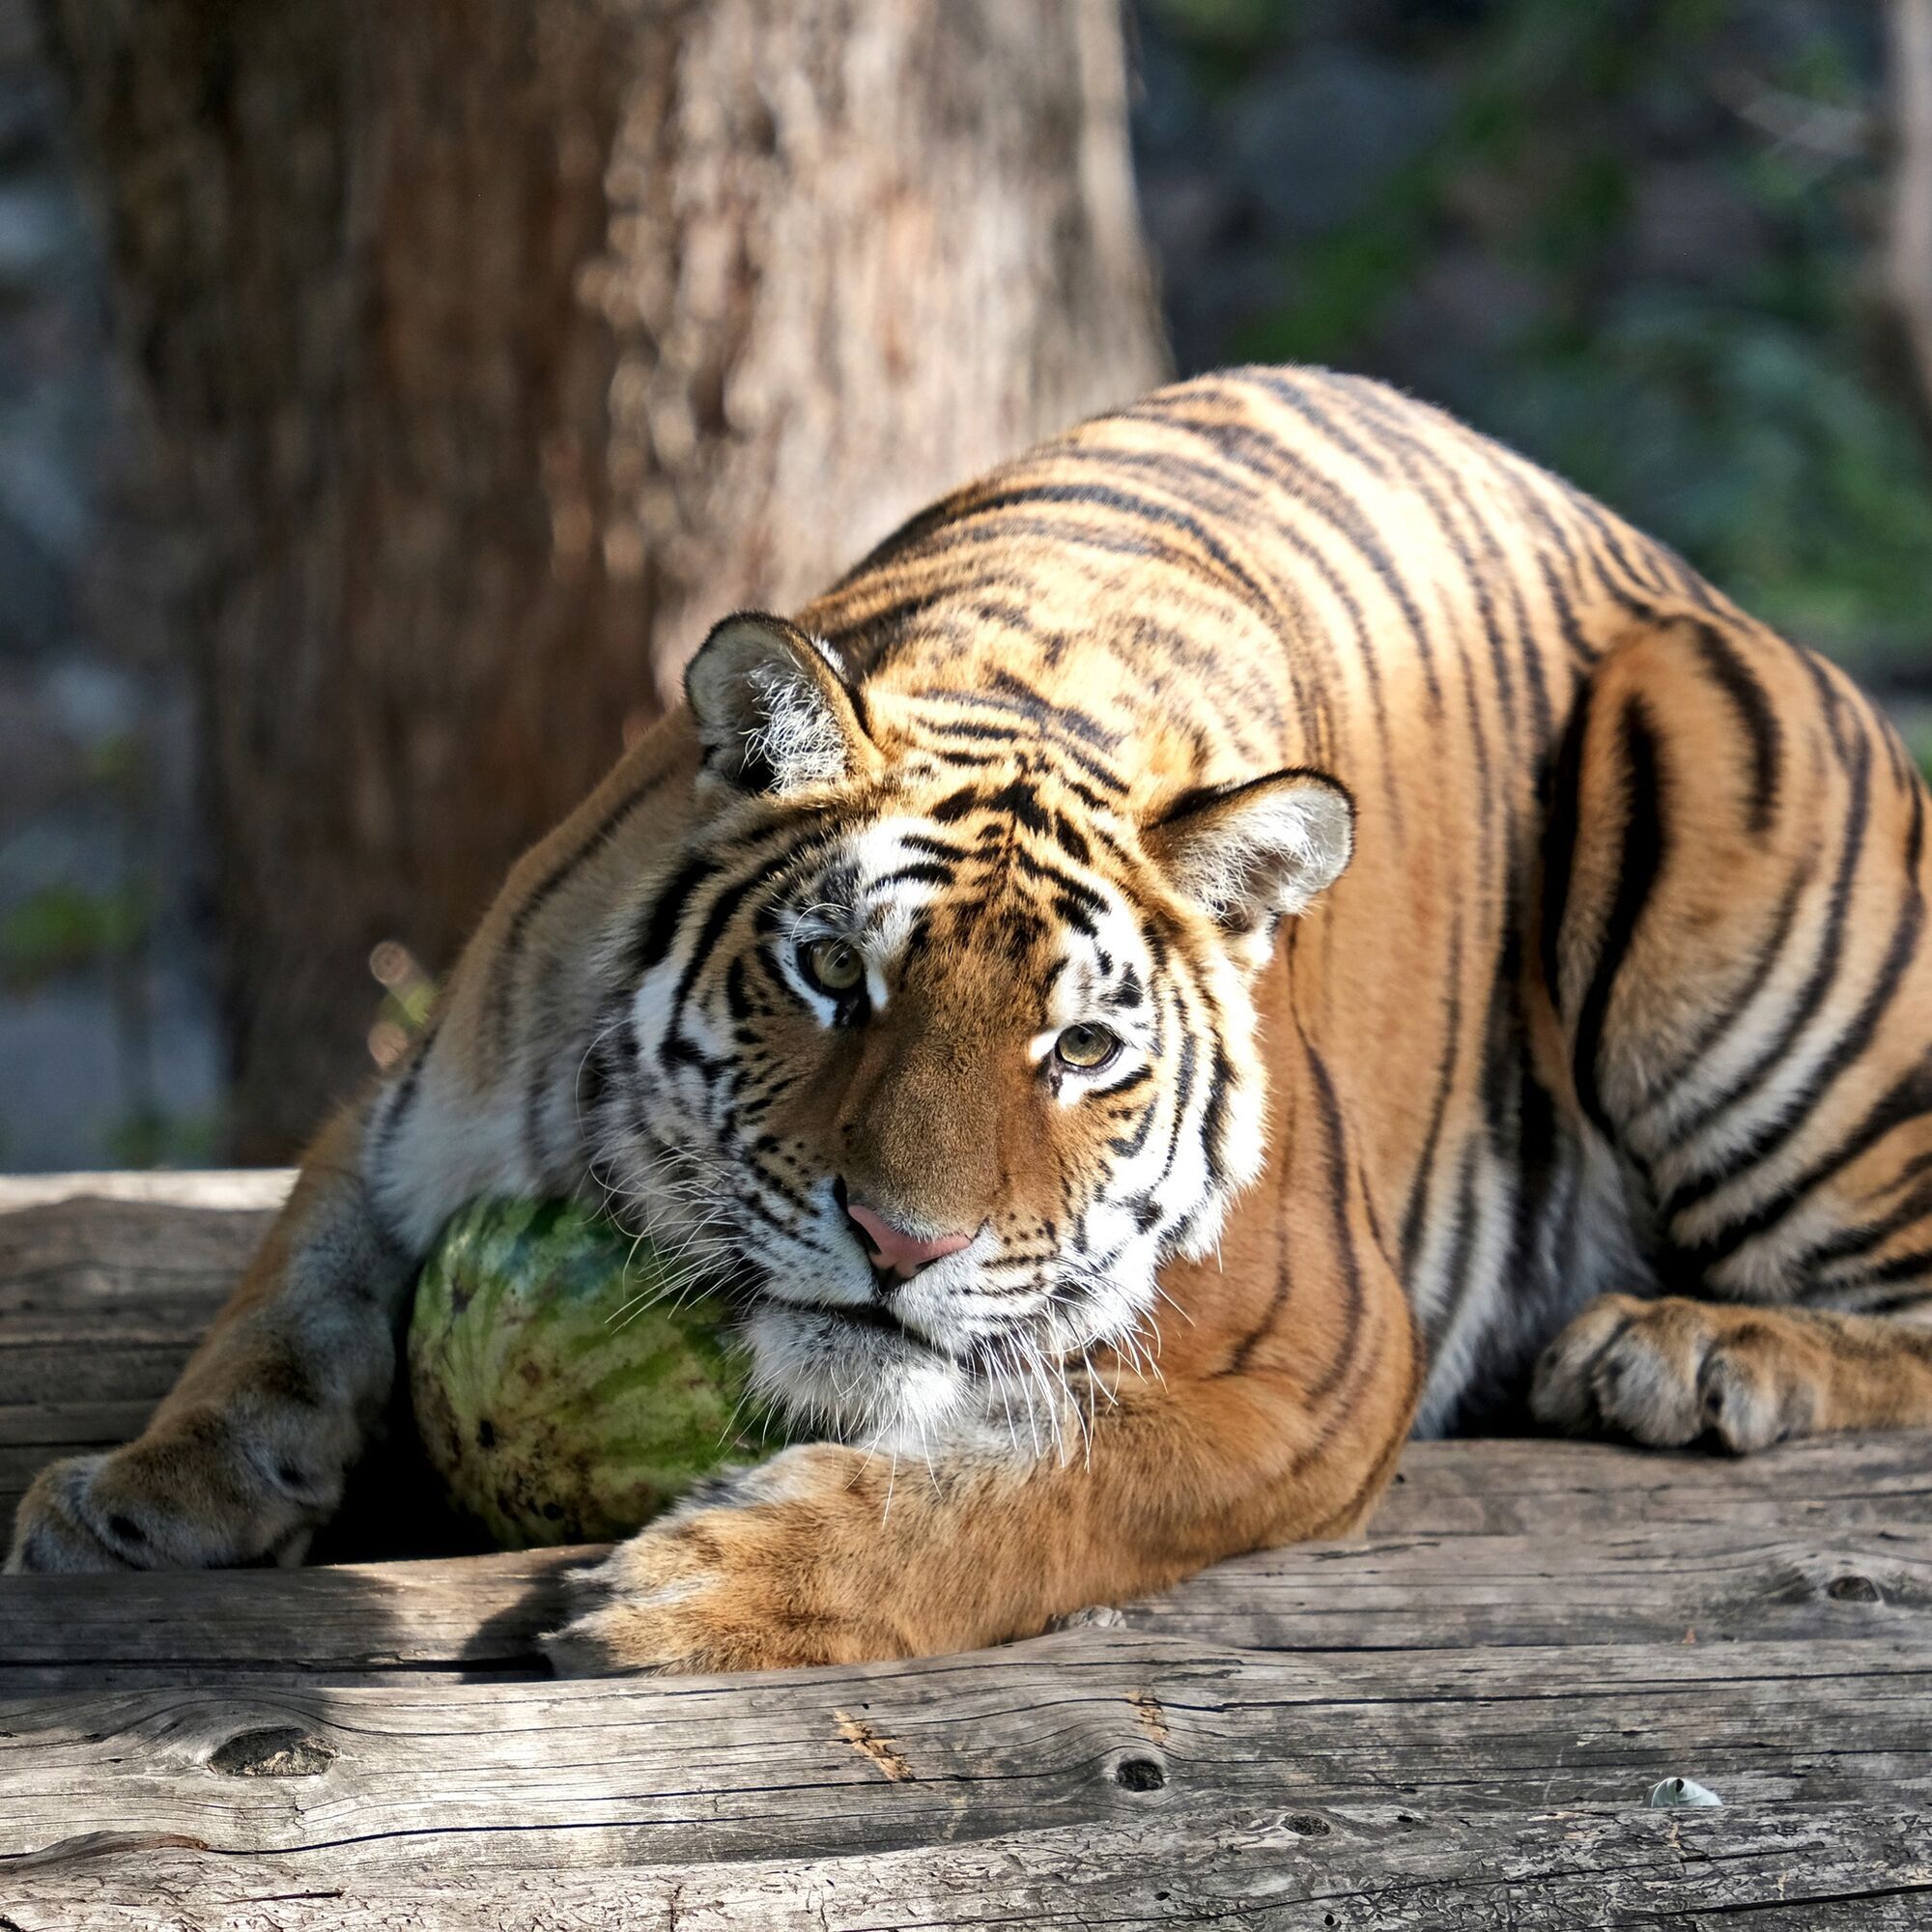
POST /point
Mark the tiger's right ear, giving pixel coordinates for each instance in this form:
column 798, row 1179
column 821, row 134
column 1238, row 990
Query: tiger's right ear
column 773, row 711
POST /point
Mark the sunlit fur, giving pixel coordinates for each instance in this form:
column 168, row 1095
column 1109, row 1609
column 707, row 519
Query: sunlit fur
column 1518, row 957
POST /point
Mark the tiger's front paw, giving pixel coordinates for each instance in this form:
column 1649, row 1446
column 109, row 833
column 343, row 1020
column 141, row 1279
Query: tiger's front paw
column 189, row 1497
column 761, row 1571
column 1670, row 1371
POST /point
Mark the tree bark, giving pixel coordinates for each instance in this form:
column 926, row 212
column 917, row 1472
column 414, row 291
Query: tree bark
column 1909, row 251
column 495, row 347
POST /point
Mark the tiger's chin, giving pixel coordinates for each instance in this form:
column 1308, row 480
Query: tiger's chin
column 855, row 1374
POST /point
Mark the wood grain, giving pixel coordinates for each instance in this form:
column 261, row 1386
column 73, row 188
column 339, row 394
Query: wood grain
column 1074, row 1728
column 1288, row 1867
column 482, row 1615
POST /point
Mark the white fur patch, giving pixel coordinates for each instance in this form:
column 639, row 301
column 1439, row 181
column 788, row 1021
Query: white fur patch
column 1253, row 857
column 796, row 735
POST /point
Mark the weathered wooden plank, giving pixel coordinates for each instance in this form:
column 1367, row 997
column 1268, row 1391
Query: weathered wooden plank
column 257, row 1189
column 1070, row 1729
column 1535, row 1485
column 477, row 1612
column 1354, row 1867
column 1668, row 1586
column 106, row 1243
column 1821, row 1489
column 483, row 1613
column 35, row 1372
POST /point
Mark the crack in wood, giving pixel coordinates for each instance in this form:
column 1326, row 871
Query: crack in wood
column 867, row 1743
column 1153, row 1718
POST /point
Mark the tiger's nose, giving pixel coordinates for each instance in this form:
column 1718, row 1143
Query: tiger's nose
column 893, row 1248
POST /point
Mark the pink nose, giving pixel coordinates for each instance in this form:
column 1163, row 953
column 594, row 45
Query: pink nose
column 894, row 1248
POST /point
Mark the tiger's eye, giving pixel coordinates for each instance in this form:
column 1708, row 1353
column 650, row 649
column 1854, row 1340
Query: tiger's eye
column 831, row 965
column 1085, row 1047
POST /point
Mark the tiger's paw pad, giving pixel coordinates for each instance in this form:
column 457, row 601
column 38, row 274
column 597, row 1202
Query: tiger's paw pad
column 1673, row 1372
column 744, row 1577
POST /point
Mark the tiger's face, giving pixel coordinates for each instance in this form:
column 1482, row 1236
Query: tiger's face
column 941, row 1059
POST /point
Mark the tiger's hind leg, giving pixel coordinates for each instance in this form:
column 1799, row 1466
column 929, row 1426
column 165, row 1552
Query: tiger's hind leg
column 1734, row 938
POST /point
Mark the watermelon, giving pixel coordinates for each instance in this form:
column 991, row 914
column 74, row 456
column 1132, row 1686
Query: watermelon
column 566, row 1385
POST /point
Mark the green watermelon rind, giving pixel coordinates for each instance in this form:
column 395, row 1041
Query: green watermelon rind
column 566, row 1388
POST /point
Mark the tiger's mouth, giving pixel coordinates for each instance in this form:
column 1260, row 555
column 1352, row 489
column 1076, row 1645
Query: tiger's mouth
column 875, row 1316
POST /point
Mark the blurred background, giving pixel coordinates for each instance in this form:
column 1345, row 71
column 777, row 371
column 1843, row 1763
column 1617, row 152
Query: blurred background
column 389, row 398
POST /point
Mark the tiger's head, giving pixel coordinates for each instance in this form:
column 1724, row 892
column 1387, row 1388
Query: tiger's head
column 931, row 1044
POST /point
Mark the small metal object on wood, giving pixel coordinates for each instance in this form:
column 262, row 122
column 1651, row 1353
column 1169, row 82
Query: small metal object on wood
column 1457, row 1719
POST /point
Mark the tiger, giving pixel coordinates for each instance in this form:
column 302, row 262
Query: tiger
column 1266, row 926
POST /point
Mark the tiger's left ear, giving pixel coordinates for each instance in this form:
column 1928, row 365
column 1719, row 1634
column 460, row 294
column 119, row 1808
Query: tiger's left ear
column 773, row 713
column 1256, row 851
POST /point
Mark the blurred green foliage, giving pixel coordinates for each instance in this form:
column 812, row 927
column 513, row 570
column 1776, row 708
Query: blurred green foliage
column 1740, row 406
column 149, row 1136
column 62, row 927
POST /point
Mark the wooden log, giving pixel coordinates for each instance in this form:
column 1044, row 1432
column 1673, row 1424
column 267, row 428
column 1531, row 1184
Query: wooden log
column 483, row 1613
column 1535, row 1487
column 1288, row 1868
column 1077, row 1728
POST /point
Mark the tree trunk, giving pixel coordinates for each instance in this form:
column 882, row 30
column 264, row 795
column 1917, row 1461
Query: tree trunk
column 495, row 347
column 1909, row 251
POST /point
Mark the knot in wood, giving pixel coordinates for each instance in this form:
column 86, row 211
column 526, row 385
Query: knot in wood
column 279, row 1751
column 1854, row 1589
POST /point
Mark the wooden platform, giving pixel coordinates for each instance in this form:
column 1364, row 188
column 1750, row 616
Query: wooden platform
column 1453, row 1723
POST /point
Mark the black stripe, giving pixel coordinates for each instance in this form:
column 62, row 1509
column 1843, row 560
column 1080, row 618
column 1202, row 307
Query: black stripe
column 658, row 927
column 723, row 906
column 1793, row 1113
column 1032, row 865
column 1749, row 699
column 1823, row 971
column 1412, row 457
column 402, row 1100
column 1645, row 848
column 1423, row 1180
column 938, row 848
column 1003, row 734
column 1138, row 510
column 1715, row 1026
column 1578, row 646
column 1559, row 844
column 1050, row 712
column 1853, row 1243
column 1599, row 524
column 1281, row 385
column 1459, row 1273
column 1335, row 1155
column 914, row 871
column 1214, row 1115
column 497, row 1017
